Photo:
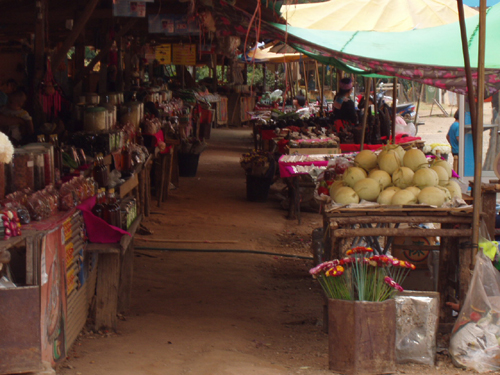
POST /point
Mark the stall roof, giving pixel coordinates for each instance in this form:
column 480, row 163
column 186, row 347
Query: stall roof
column 373, row 15
column 433, row 56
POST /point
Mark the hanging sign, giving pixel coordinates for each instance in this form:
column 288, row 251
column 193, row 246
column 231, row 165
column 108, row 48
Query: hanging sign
column 164, row 54
column 184, row 54
column 172, row 24
column 127, row 8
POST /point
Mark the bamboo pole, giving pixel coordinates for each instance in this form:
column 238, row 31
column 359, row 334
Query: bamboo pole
column 339, row 77
column 305, row 82
column 323, row 92
column 316, row 78
column 368, row 84
column 418, row 105
column 468, row 73
column 394, row 98
column 478, row 130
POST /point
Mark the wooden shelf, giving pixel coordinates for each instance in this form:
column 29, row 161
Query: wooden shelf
column 13, row 241
column 116, row 248
column 128, row 185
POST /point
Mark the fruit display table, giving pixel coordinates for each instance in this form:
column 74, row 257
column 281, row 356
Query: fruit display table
column 378, row 225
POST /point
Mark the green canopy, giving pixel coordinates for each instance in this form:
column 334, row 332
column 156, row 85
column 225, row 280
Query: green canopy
column 432, row 56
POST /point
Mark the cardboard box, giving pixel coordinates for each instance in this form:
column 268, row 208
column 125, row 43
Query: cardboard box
column 314, row 151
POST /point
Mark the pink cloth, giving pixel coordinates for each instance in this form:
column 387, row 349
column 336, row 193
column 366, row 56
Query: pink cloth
column 161, row 138
column 286, row 169
column 98, row 231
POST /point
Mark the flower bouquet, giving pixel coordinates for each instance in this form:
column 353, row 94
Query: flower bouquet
column 361, row 310
column 362, row 276
column 259, row 167
column 258, row 164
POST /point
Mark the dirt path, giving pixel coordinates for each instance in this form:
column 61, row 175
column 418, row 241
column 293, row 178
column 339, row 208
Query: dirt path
column 219, row 313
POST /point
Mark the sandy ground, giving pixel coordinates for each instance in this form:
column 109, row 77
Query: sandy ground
column 205, row 313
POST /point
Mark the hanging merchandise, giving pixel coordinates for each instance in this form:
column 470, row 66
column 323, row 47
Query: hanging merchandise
column 50, row 96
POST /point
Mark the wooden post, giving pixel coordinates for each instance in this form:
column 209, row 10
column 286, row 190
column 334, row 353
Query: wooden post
column 77, row 29
column 489, row 208
column 79, row 64
column 104, row 51
column 422, row 86
column 264, row 73
column 323, row 91
column 339, row 77
column 103, row 71
column 215, row 78
column 119, row 67
column 305, row 82
column 468, row 73
column 478, row 129
column 108, row 279
column 127, row 74
column 394, row 99
column 39, row 48
column 445, row 256
column 126, row 278
column 368, row 84
column 316, row 78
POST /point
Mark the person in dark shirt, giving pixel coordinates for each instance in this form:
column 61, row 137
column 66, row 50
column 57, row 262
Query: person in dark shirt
column 299, row 101
column 344, row 111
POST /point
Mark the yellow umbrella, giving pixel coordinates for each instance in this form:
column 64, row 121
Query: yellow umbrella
column 373, row 15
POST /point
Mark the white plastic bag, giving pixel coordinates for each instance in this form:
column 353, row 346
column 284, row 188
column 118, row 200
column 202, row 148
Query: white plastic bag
column 405, row 128
column 476, row 334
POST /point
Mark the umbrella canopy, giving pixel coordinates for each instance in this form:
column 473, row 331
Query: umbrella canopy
column 432, row 56
column 265, row 55
column 373, row 15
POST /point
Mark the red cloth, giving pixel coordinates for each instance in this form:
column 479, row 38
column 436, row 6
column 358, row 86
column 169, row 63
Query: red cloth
column 98, row 231
column 356, row 147
column 268, row 134
column 161, row 138
column 282, row 143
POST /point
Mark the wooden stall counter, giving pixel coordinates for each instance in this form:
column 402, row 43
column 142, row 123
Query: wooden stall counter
column 114, row 277
column 377, row 227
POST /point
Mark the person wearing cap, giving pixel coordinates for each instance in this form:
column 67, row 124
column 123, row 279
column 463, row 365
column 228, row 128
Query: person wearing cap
column 344, row 111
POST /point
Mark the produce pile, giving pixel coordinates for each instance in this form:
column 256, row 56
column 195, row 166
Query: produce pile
column 392, row 177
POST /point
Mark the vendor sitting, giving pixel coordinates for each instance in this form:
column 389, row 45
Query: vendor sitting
column 14, row 120
column 344, row 111
column 299, row 101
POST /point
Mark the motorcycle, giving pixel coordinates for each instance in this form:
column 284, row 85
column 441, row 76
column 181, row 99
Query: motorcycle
column 406, row 110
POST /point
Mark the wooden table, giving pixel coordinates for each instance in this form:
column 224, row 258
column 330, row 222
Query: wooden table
column 455, row 232
column 489, row 204
column 114, row 277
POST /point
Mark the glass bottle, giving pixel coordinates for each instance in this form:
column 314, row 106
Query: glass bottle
column 41, row 138
column 104, row 172
column 111, row 213
column 58, row 163
column 98, row 209
column 126, row 158
column 97, row 173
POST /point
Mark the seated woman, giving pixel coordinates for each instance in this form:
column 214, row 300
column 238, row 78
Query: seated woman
column 344, row 111
column 14, row 120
